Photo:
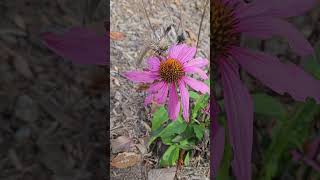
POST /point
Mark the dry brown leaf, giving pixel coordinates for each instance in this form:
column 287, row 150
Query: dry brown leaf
column 120, row 144
column 117, row 36
column 125, row 160
column 192, row 38
column 177, row 2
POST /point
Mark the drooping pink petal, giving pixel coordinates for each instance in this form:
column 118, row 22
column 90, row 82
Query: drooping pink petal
column 239, row 109
column 184, row 99
column 141, row 76
column 310, row 162
column 217, row 150
column 174, row 104
column 266, row 27
column 182, row 52
column 276, row 8
column 197, row 62
column 162, row 94
column 218, row 139
column 153, row 63
column 80, row 45
column 193, row 69
column 280, row 77
column 196, row 85
column 155, row 86
column 148, row 99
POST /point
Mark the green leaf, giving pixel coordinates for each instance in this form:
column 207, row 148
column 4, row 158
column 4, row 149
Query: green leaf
column 186, row 144
column 286, row 131
column 194, row 95
column 154, row 135
column 187, row 134
column 175, row 127
column 199, row 131
column 201, row 102
column 312, row 65
column 187, row 159
column 159, row 117
column 267, row 105
column 170, row 157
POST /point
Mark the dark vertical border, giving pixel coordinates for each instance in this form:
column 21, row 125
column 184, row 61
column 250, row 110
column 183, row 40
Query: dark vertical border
column 107, row 27
column 212, row 96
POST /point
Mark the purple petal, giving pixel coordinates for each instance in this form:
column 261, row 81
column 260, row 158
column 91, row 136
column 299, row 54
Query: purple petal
column 276, row 8
column 217, row 146
column 174, row 104
column 239, row 109
column 280, row 77
column 197, row 85
column 192, row 69
column 155, row 86
column 310, row 162
column 148, row 99
column 182, row 52
column 184, row 99
column 162, row 94
column 141, row 76
column 218, row 139
column 154, row 63
column 80, row 45
column 266, row 27
column 197, row 62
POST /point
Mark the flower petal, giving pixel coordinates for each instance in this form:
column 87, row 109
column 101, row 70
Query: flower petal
column 184, row 100
column 140, row 76
column 182, row 52
column 192, row 69
column 197, row 85
column 239, row 109
column 278, row 8
column 80, row 45
column 218, row 138
column 154, row 63
column 266, row 27
column 148, row 99
column 155, row 87
column 162, row 94
column 280, row 77
column 197, row 62
column 174, row 104
column 217, row 150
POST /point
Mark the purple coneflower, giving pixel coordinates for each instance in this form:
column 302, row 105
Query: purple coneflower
column 261, row 19
column 78, row 44
column 167, row 74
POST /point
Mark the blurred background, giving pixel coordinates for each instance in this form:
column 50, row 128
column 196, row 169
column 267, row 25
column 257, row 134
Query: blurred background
column 52, row 112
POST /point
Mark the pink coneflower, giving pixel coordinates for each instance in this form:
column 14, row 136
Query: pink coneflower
column 79, row 44
column 167, row 74
column 261, row 19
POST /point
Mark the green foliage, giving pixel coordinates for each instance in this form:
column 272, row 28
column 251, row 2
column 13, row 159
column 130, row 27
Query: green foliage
column 159, row 117
column 267, row 105
column 288, row 133
column 312, row 64
column 170, row 157
column 179, row 135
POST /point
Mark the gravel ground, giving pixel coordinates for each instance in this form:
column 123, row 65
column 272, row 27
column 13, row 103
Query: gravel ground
column 129, row 117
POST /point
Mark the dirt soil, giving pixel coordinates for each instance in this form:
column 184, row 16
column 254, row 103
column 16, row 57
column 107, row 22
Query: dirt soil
column 130, row 120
